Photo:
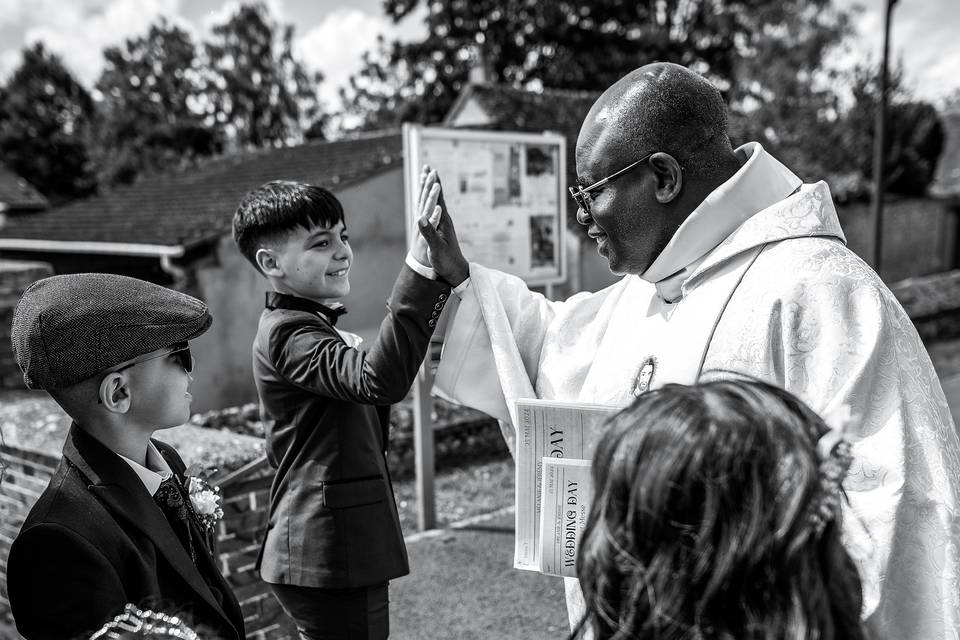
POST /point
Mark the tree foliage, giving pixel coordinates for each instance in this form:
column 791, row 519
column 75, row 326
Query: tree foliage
column 261, row 94
column 914, row 134
column 766, row 55
column 153, row 110
column 823, row 138
column 583, row 45
column 163, row 100
column 45, row 116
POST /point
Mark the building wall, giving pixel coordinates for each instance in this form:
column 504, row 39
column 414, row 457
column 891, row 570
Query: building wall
column 235, row 291
column 919, row 236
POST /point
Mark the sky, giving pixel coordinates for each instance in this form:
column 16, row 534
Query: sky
column 331, row 35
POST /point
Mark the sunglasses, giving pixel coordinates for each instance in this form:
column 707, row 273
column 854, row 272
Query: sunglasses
column 180, row 352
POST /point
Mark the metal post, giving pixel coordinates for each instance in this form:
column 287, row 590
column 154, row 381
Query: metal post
column 879, row 141
column 423, row 448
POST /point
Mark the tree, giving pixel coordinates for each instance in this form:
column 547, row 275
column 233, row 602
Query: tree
column 837, row 142
column 45, row 115
column 581, row 45
column 261, row 95
column 152, row 112
column 914, row 137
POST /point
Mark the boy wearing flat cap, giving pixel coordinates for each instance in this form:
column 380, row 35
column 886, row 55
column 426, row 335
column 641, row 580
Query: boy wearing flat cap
column 115, row 525
column 333, row 538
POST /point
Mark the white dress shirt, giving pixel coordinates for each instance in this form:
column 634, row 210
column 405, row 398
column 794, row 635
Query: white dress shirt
column 156, row 471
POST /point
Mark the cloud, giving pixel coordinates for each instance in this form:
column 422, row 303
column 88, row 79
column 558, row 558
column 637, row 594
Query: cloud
column 275, row 8
column 919, row 38
column 9, row 60
column 11, row 12
column 336, row 46
column 79, row 30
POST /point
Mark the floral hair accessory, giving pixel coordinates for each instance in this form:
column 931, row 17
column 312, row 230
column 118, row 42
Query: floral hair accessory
column 150, row 624
column 835, row 454
column 204, row 497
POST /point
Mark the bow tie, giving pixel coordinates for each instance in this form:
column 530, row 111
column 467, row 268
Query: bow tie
column 332, row 312
column 277, row 300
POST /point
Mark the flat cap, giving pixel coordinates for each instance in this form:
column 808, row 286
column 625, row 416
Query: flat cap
column 68, row 328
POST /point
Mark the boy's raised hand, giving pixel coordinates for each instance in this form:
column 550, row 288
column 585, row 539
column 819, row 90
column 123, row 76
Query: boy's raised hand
column 437, row 229
column 419, row 247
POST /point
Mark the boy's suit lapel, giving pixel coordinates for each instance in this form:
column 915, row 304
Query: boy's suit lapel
column 118, row 488
column 229, row 603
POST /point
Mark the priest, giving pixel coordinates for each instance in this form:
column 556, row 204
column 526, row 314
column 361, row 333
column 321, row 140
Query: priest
column 731, row 266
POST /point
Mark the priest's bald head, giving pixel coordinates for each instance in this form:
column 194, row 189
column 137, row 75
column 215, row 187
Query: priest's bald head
column 652, row 147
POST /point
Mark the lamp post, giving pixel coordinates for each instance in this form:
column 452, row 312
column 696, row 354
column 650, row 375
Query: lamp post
column 879, row 141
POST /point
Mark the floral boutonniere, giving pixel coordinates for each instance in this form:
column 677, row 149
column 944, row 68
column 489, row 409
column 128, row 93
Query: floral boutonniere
column 204, row 497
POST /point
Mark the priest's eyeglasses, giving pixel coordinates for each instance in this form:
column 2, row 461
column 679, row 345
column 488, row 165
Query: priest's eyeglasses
column 581, row 195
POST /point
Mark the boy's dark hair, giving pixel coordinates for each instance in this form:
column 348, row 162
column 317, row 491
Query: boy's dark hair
column 276, row 208
column 700, row 525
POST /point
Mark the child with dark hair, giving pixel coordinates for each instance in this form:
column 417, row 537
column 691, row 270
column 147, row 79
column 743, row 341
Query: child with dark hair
column 333, row 538
column 716, row 516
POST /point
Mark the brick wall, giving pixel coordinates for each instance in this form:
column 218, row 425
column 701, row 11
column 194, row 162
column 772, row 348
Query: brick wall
column 246, row 499
column 245, row 502
column 25, row 475
column 15, row 276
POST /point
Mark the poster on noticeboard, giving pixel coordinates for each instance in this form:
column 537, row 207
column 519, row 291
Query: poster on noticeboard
column 505, row 192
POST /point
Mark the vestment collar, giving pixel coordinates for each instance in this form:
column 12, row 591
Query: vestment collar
column 763, row 202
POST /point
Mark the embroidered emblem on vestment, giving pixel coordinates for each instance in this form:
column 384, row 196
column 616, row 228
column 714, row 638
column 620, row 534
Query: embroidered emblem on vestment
column 644, row 379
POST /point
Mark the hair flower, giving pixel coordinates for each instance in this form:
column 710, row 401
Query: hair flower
column 836, row 454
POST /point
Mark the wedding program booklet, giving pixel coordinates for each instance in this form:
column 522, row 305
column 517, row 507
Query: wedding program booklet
column 547, row 429
column 564, row 506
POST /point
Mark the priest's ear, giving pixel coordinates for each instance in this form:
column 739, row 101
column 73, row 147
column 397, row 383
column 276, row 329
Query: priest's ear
column 668, row 176
column 114, row 393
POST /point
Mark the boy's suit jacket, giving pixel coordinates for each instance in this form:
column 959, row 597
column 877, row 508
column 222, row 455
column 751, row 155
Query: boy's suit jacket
column 96, row 540
column 333, row 519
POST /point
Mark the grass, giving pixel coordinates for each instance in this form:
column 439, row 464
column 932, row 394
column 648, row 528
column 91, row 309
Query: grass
column 460, row 493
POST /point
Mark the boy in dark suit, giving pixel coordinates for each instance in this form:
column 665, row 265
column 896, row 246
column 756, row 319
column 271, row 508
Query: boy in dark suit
column 333, row 539
column 115, row 525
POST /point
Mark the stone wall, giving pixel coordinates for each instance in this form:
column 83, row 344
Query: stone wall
column 15, row 277
column 933, row 303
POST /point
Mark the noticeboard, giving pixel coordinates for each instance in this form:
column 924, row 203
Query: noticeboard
column 505, row 192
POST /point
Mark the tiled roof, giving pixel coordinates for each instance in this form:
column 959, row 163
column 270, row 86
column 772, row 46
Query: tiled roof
column 16, row 194
column 189, row 207
column 946, row 179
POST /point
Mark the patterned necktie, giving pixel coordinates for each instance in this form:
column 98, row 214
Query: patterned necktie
column 175, row 505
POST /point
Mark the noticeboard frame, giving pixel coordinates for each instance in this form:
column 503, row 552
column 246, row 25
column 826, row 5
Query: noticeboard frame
column 415, row 137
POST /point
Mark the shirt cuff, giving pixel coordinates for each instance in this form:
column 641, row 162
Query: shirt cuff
column 463, row 286
column 425, row 271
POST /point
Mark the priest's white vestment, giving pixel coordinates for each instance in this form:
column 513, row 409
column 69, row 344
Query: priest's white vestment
column 782, row 299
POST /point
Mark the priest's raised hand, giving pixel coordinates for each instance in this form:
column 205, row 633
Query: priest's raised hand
column 436, row 227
